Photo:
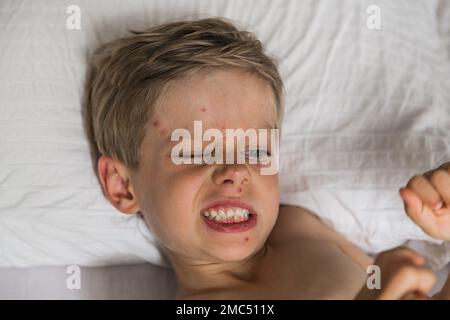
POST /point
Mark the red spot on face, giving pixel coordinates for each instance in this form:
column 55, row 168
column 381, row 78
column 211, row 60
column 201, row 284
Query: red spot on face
column 155, row 123
column 239, row 190
column 246, row 239
column 162, row 132
column 203, row 109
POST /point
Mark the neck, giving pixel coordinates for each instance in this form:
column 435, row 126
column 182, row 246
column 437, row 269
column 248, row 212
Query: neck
column 196, row 277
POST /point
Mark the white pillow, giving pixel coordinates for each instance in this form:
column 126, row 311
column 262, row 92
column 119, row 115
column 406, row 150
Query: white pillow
column 52, row 211
column 365, row 110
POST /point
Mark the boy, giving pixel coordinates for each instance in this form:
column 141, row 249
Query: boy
column 220, row 224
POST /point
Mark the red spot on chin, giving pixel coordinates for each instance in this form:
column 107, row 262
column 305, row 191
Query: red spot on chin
column 203, row 109
column 162, row 132
column 246, row 239
column 155, row 123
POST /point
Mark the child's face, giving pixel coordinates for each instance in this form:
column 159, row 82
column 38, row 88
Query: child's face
column 173, row 197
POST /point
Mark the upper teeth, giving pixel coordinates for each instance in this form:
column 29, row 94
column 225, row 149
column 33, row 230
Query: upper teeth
column 237, row 214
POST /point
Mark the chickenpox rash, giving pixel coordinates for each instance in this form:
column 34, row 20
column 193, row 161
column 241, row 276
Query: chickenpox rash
column 203, row 109
column 239, row 190
column 246, row 238
column 157, row 125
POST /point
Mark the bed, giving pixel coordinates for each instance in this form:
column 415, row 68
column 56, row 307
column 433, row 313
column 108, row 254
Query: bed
column 367, row 107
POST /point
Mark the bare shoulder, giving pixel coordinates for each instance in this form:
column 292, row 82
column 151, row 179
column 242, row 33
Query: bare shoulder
column 297, row 224
column 298, row 221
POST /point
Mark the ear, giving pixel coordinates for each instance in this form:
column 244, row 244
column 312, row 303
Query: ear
column 115, row 180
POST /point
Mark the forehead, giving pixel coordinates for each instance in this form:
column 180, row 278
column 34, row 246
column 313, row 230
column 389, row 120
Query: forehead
column 221, row 99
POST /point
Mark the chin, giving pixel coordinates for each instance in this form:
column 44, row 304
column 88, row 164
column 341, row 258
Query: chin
column 235, row 252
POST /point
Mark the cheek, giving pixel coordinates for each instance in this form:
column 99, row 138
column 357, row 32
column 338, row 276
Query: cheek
column 270, row 190
column 175, row 204
column 274, row 182
column 268, row 183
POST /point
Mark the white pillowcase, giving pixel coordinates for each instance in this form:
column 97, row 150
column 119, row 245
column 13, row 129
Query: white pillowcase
column 365, row 110
column 368, row 109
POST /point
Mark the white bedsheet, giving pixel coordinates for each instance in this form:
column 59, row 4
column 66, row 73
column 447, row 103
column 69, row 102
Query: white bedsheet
column 142, row 281
column 365, row 111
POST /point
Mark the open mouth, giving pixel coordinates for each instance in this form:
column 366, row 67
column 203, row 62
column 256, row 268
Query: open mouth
column 229, row 218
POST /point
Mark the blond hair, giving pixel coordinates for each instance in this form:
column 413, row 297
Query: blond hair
column 127, row 76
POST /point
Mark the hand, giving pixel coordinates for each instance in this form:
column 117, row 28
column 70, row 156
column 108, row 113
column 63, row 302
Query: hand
column 427, row 201
column 403, row 276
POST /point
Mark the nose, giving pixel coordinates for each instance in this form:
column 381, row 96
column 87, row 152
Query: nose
column 233, row 175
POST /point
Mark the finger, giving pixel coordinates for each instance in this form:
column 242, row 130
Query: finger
column 414, row 257
column 409, row 280
column 415, row 296
column 425, row 190
column 413, row 204
column 441, row 182
column 420, row 214
column 421, row 296
column 445, row 167
column 424, row 282
column 406, row 255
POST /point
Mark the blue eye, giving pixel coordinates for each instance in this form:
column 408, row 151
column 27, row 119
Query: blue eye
column 187, row 156
column 192, row 156
column 258, row 153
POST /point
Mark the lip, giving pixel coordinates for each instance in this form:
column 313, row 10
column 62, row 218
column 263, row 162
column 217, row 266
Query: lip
column 230, row 227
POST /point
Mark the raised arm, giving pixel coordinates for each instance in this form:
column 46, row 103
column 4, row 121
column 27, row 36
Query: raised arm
column 427, row 203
